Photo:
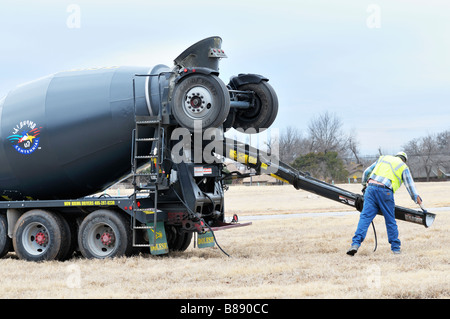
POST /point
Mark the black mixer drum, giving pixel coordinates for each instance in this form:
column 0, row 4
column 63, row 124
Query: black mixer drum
column 69, row 135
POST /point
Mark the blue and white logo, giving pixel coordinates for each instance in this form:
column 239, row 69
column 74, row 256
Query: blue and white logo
column 25, row 138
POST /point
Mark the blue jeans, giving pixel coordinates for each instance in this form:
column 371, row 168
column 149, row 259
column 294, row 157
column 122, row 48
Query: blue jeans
column 378, row 198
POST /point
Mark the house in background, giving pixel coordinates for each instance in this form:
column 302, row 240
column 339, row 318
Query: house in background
column 261, row 180
column 443, row 174
column 438, row 174
column 355, row 172
column 256, row 180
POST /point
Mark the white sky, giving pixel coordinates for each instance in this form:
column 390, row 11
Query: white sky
column 389, row 84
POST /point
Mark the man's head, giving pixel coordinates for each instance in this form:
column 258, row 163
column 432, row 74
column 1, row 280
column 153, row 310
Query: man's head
column 403, row 156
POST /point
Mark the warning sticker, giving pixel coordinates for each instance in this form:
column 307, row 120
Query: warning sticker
column 200, row 171
column 346, row 200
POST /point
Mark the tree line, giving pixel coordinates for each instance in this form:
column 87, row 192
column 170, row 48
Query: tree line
column 323, row 151
column 326, row 150
column 429, row 156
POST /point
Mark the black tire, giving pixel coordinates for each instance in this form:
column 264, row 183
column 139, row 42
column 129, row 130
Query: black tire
column 105, row 234
column 176, row 239
column 187, row 238
column 228, row 124
column 5, row 241
column 71, row 242
column 263, row 114
column 200, row 97
column 41, row 235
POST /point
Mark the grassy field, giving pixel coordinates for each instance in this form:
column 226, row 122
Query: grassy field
column 302, row 257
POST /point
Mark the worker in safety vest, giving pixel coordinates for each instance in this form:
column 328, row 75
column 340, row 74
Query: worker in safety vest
column 383, row 178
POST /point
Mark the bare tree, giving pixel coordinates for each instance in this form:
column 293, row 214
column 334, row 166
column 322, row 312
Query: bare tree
column 353, row 146
column 423, row 154
column 379, row 151
column 291, row 144
column 326, row 134
column 443, row 144
column 429, row 151
column 443, row 141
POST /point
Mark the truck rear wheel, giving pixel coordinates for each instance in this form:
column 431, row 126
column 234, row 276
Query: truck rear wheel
column 105, row 234
column 202, row 98
column 176, row 239
column 41, row 235
column 263, row 113
column 5, row 241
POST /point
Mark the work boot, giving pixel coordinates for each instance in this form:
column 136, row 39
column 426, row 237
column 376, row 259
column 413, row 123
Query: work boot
column 353, row 249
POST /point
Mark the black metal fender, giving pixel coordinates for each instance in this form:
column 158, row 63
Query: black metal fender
column 255, row 91
column 241, row 79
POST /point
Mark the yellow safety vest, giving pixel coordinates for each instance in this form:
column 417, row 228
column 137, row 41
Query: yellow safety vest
column 390, row 167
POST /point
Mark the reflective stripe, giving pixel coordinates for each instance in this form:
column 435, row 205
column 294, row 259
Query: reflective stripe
column 394, row 170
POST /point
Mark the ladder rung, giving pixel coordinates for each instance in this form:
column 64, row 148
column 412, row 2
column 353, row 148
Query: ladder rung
column 147, row 122
column 143, row 227
column 147, row 118
column 146, row 191
column 146, row 156
column 146, row 174
column 151, row 188
column 147, row 139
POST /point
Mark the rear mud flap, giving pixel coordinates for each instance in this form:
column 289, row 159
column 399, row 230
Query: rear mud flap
column 160, row 247
column 205, row 240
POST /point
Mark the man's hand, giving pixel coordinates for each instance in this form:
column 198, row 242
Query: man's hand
column 419, row 200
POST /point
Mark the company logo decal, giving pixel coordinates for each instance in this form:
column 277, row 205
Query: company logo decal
column 25, row 138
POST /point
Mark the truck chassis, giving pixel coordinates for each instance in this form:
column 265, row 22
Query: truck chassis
column 172, row 199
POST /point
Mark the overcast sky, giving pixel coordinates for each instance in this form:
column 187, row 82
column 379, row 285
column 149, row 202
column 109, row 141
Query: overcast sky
column 382, row 66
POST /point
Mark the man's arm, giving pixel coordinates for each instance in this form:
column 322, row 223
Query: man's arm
column 410, row 186
column 367, row 173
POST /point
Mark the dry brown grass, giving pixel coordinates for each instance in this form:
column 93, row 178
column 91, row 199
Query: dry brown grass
column 286, row 258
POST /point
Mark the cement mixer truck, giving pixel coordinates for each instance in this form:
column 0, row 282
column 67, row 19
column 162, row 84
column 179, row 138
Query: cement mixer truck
column 67, row 137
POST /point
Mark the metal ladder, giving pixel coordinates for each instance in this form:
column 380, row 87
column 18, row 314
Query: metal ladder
column 154, row 176
column 151, row 187
column 155, row 158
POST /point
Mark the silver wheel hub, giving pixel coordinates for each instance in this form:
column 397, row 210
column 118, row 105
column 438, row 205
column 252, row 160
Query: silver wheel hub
column 197, row 102
column 35, row 239
column 102, row 240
